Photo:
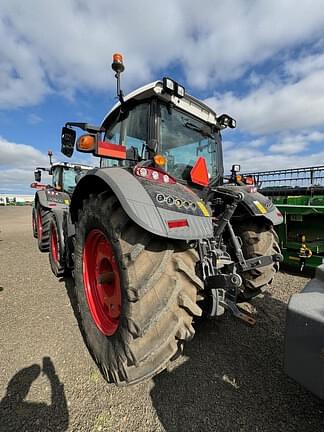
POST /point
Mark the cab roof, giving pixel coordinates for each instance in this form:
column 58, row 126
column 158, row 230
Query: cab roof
column 69, row 165
column 187, row 103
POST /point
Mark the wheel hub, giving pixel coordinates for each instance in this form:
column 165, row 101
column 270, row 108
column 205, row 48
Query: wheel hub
column 101, row 280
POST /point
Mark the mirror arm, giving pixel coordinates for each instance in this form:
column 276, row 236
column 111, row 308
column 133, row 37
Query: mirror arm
column 85, row 126
column 42, row 169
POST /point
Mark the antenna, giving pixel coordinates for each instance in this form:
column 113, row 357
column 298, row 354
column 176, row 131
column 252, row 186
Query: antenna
column 118, row 67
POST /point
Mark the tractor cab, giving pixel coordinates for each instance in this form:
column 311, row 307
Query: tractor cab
column 162, row 124
column 157, row 125
column 64, row 175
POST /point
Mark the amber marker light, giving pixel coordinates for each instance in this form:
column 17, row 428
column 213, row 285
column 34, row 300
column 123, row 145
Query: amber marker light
column 159, row 160
column 86, row 143
column 117, row 58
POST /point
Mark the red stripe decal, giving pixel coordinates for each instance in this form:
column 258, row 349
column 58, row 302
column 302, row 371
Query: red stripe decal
column 111, row 150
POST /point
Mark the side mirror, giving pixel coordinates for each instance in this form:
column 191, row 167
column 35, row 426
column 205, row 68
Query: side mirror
column 38, row 175
column 67, row 141
column 236, row 168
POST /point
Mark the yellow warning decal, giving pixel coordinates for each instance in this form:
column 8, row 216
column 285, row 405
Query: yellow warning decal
column 260, row 207
column 66, row 201
column 203, row 208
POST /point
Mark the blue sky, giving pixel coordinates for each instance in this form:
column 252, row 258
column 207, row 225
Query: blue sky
column 260, row 61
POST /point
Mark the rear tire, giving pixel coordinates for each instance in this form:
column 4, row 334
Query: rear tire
column 56, row 250
column 43, row 227
column 258, row 239
column 157, row 299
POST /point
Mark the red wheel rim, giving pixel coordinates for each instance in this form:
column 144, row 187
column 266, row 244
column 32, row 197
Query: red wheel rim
column 54, row 244
column 39, row 225
column 101, row 280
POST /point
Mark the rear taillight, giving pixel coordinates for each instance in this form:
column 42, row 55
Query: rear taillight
column 178, row 223
column 249, row 180
column 153, row 174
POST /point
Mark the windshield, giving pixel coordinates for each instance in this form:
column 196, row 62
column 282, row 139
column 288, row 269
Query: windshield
column 183, row 140
column 71, row 177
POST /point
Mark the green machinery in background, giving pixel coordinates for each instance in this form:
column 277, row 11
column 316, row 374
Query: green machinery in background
column 299, row 195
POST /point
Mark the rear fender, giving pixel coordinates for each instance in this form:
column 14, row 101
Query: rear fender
column 65, row 231
column 40, row 198
column 138, row 199
column 50, row 198
column 58, row 216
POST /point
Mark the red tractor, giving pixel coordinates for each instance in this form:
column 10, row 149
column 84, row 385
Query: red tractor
column 158, row 236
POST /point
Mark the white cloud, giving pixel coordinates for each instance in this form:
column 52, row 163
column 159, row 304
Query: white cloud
column 277, row 106
column 252, row 161
column 296, row 143
column 20, row 155
column 289, row 146
column 18, row 161
column 66, row 44
column 17, row 180
column 305, row 65
column 258, row 142
column 22, row 77
column 287, row 150
column 17, row 164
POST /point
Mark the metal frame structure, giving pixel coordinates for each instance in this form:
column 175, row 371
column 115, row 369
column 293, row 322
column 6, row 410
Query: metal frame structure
column 299, row 194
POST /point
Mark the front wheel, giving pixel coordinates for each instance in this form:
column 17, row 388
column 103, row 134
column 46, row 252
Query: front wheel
column 136, row 293
column 258, row 239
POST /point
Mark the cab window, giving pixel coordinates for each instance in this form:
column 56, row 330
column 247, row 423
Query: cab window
column 136, row 128
column 56, row 179
column 131, row 131
column 113, row 135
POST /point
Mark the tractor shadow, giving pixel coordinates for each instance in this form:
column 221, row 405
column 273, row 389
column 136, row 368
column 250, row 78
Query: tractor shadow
column 233, row 380
column 18, row 414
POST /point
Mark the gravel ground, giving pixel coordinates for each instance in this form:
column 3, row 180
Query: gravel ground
column 231, row 378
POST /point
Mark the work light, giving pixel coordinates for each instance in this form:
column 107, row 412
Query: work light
column 168, row 85
column 226, row 121
column 180, row 91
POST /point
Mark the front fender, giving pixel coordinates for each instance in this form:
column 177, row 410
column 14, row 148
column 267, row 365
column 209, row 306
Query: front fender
column 137, row 197
column 260, row 205
column 58, row 215
column 256, row 204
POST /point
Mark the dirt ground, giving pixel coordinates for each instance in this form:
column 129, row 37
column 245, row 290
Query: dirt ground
column 231, row 378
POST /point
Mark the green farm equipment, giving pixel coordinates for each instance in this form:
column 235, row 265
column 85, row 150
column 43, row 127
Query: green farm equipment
column 299, row 194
